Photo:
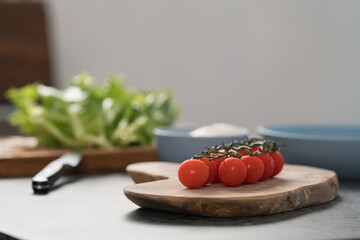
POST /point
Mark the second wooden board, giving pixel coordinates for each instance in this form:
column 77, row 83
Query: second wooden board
column 295, row 187
column 20, row 156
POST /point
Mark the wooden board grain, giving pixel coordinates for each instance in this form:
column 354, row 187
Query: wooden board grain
column 20, row 156
column 295, row 187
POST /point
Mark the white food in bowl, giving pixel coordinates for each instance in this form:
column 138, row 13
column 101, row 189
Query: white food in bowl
column 218, row 130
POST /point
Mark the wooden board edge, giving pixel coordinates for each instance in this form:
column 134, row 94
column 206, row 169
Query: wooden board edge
column 92, row 162
column 276, row 203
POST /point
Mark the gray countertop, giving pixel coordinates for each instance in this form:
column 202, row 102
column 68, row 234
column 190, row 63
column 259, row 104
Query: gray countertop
column 94, row 207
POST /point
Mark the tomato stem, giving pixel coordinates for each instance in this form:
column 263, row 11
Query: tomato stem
column 238, row 148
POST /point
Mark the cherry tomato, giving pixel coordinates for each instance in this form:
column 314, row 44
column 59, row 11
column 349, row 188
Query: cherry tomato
column 232, row 172
column 244, row 152
column 278, row 160
column 212, row 169
column 269, row 165
column 255, row 149
column 193, row 173
column 217, row 163
column 255, row 169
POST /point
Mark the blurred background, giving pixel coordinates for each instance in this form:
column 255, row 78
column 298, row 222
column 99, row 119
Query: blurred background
column 236, row 61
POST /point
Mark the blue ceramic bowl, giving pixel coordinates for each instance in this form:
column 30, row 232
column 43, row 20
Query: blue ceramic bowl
column 174, row 144
column 331, row 147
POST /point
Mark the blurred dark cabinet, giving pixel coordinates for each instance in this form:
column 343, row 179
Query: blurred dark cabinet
column 24, row 52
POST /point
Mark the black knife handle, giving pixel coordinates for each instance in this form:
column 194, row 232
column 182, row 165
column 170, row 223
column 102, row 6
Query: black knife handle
column 43, row 181
column 43, row 186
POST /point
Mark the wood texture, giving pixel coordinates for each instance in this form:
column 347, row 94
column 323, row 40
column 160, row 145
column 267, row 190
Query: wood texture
column 24, row 54
column 19, row 156
column 295, row 187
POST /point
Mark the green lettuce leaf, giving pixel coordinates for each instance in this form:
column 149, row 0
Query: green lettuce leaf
column 86, row 115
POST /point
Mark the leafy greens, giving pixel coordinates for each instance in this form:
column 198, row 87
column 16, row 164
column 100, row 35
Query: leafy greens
column 85, row 115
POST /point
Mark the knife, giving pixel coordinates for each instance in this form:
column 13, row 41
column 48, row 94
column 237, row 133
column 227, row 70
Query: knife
column 43, row 180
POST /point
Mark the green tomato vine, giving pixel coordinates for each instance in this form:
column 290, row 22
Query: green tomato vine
column 236, row 148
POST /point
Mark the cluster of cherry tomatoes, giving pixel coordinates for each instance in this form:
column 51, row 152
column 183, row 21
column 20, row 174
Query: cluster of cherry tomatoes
column 232, row 164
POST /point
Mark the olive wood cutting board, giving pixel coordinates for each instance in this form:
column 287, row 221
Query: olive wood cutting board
column 295, row 187
column 20, row 156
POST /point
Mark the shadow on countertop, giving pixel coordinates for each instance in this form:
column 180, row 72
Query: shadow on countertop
column 149, row 216
column 4, row 236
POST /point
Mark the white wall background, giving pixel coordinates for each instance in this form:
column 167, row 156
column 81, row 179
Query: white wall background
column 245, row 62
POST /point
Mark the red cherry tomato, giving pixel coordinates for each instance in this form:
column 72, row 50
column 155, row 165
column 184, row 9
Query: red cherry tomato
column 244, row 152
column 232, row 172
column 255, row 169
column 217, row 163
column 212, row 169
column 230, row 155
column 255, row 149
column 193, row 173
column 269, row 165
column 279, row 162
